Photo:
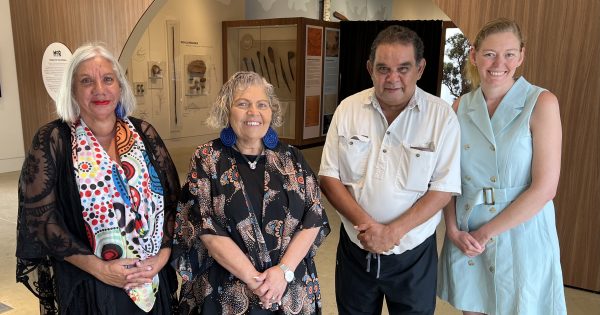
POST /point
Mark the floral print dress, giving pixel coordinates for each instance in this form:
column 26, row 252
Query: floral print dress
column 214, row 201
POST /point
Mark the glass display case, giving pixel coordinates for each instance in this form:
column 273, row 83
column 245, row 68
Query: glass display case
column 299, row 57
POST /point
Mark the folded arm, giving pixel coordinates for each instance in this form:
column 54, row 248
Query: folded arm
column 228, row 254
column 379, row 238
column 461, row 239
column 273, row 281
column 112, row 272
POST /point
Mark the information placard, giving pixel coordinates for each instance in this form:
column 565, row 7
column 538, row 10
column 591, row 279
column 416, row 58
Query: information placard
column 55, row 59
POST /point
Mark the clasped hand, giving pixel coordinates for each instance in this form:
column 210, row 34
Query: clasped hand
column 471, row 244
column 376, row 237
column 269, row 286
column 128, row 273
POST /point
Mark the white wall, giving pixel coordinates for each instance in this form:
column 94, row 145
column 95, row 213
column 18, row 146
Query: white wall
column 361, row 10
column 268, row 9
column 199, row 38
column 11, row 132
column 417, row 10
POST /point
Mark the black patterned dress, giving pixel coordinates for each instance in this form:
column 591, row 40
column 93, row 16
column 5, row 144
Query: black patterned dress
column 50, row 227
column 215, row 201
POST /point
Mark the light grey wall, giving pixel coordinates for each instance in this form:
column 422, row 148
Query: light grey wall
column 417, row 10
column 267, row 9
column 11, row 131
column 361, row 10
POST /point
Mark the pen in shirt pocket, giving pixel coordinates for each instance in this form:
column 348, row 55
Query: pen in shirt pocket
column 360, row 137
column 428, row 147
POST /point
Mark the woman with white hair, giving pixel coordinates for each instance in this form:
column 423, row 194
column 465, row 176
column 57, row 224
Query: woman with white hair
column 97, row 199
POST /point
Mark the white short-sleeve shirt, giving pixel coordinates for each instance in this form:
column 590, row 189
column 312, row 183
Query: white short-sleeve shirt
column 387, row 168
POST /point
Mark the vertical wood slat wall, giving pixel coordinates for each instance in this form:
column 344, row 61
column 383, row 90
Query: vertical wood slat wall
column 562, row 49
column 36, row 24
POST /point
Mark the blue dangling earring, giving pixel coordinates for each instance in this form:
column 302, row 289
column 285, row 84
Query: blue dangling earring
column 271, row 139
column 228, row 137
column 120, row 111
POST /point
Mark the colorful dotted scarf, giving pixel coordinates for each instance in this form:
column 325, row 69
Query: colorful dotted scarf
column 123, row 206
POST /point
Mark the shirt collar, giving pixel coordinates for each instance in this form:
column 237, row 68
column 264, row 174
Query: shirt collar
column 416, row 101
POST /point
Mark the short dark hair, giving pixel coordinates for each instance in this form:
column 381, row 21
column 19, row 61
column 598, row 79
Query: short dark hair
column 396, row 34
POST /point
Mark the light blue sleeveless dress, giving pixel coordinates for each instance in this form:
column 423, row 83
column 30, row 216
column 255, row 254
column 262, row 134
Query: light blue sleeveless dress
column 519, row 272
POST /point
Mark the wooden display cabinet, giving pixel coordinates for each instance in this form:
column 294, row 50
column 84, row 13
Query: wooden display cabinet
column 300, row 58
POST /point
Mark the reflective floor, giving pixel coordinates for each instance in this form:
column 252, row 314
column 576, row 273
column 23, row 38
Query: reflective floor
column 21, row 301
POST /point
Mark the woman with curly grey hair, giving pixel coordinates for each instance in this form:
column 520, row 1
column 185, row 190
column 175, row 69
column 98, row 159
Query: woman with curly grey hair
column 249, row 218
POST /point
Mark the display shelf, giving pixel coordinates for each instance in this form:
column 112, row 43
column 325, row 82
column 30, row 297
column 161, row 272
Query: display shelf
column 293, row 54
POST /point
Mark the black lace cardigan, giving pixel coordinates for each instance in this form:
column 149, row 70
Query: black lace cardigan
column 50, row 225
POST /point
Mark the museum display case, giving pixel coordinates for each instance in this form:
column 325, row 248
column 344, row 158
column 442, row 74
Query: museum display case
column 300, row 58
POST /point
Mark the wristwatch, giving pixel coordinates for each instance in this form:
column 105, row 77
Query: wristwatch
column 288, row 274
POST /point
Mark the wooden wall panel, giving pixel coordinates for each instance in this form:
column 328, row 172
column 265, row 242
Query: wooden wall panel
column 562, row 49
column 36, row 24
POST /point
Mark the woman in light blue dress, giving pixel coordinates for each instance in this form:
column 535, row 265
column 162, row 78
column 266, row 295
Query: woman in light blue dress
column 501, row 252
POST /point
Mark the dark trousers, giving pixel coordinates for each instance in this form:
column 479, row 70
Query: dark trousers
column 126, row 305
column 407, row 281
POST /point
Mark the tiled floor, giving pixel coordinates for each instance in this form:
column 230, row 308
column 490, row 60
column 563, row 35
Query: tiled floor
column 22, row 302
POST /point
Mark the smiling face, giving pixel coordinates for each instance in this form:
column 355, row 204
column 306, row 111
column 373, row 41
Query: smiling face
column 250, row 116
column 96, row 89
column 497, row 59
column 395, row 73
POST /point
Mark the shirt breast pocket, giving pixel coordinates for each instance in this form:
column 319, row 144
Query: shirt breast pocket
column 354, row 153
column 420, row 162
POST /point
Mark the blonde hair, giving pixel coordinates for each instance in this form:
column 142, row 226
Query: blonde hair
column 67, row 107
column 218, row 116
column 492, row 27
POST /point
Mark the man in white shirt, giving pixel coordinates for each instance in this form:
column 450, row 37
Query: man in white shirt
column 390, row 163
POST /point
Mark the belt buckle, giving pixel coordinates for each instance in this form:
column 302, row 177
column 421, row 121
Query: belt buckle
column 488, row 192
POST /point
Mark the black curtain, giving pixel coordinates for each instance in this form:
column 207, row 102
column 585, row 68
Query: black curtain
column 355, row 44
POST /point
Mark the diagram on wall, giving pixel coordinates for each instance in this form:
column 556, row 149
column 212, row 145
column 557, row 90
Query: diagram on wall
column 155, row 74
column 139, row 91
column 197, row 74
column 331, row 70
column 313, row 73
column 198, row 77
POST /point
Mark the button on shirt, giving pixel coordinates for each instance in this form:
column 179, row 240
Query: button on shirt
column 387, row 168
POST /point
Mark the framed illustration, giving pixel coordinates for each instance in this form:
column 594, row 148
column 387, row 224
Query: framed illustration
column 156, row 71
column 197, row 74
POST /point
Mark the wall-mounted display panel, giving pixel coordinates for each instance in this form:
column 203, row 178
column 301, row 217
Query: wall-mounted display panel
column 289, row 54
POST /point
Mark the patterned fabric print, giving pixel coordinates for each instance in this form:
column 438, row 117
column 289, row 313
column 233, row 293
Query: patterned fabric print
column 214, row 201
column 295, row 301
column 275, row 228
column 235, row 298
column 313, row 290
column 123, row 205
